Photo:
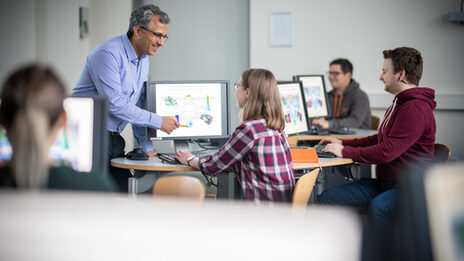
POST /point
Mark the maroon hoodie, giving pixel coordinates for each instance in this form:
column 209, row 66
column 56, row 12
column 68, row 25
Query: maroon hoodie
column 406, row 135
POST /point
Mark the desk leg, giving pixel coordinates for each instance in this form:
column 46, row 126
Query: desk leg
column 141, row 182
column 132, row 182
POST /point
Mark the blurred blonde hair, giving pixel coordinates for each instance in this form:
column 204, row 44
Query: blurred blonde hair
column 32, row 103
column 263, row 98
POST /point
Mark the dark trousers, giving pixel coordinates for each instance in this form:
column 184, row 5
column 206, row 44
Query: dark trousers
column 379, row 198
column 116, row 146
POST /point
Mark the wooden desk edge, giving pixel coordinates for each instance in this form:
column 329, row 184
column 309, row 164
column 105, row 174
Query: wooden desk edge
column 296, row 166
column 150, row 168
column 293, row 140
column 343, row 161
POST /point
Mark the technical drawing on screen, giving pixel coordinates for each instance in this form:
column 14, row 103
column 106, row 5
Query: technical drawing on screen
column 200, row 107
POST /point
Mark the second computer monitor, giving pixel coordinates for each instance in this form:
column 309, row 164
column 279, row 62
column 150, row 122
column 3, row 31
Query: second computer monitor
column 200, row 107
column 314, row 94
column 293, row 107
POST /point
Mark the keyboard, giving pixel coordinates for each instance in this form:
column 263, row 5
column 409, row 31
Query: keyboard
column 168, row 158
column 317, row 130
column 342, row 130
column 322, row 154
column 171, row 158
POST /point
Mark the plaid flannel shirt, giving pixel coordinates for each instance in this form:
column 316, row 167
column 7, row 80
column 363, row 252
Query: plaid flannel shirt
column 261, row 160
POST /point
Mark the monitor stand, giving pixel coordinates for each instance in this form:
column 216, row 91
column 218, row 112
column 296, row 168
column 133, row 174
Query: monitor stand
column 181, row 145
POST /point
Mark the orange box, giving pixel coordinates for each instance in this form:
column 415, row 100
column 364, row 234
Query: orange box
column 304, row 156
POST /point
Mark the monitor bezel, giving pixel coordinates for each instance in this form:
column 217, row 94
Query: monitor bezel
column 329, row 113
column 308, row 125
column 150, row 105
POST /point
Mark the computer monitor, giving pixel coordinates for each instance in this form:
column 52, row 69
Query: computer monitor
column 315, row 95
column 82, row 143
column 201, row 107
column 293, row 107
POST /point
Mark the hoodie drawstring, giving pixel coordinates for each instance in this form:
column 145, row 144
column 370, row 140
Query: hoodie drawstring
column 388, row 115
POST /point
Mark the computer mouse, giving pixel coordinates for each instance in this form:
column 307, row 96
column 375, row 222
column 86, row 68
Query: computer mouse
column 137, row 154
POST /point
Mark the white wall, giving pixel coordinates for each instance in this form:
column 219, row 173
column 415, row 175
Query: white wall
column 17, row 42
column 359, row 30
column 208, row 40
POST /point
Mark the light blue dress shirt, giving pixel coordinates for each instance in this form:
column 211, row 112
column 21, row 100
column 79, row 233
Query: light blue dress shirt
column 113, row 70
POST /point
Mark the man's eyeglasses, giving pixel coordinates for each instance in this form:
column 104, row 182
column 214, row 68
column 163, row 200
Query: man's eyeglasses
column 235, row 86
column 158, row 35
column 334, row 73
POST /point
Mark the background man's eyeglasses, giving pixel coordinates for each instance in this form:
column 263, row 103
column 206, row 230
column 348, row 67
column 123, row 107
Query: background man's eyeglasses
column 158, row 35
column 334, row 73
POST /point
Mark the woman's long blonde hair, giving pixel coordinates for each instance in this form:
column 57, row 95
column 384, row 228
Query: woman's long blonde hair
column 32, row 103
column 263, row 98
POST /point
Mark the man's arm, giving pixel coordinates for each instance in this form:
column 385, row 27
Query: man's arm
column 400, row 138
column 104, row 70
column 168, row 124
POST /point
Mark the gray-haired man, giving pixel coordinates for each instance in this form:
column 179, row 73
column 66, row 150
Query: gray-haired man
column 117, row 69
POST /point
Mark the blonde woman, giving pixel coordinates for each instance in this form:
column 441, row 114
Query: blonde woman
column 257, row 150
column 32, row 113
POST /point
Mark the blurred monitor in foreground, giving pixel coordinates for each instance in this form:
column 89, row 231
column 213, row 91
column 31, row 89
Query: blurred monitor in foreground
column 82, row 144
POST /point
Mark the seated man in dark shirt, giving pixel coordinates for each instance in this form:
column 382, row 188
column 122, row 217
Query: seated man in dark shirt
column 348, row 103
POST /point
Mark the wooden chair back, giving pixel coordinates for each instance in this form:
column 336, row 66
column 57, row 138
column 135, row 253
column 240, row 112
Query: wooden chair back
column 375, row 122
column 303, row 188
column 442, row 153
column 181, row 186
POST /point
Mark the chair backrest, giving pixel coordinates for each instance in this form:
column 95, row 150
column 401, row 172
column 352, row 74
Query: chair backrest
column 303, row 188
column 375, row 122
column 182, row 186
column 442, row 152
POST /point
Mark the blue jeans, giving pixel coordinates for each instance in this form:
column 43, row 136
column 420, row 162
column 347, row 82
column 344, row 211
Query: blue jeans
column 379, row 198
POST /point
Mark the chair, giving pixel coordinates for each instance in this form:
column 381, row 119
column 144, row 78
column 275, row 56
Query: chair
column 441, row 153
column 375, row 122
column 303, row 188
column 182, row 186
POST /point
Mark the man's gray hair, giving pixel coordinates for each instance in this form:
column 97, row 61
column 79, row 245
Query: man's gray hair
column 143, row 15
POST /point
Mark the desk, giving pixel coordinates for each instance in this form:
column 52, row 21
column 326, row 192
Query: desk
column 359, row 133
column 145, row 172
column 106, row 226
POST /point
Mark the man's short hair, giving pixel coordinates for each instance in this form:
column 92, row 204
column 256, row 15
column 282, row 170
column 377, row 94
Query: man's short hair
column 143, row 15
column 407, row 59
column 346, row 65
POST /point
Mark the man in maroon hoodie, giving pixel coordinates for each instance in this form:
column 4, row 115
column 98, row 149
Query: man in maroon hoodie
column 405, row 138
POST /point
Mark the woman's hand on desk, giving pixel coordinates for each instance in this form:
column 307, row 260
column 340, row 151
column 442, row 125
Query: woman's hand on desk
column 183, row 155
column 186, row 158
column 335, row 148
column 330, row 141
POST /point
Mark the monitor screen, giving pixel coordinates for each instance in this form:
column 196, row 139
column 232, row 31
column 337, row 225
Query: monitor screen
column 201, row 108
column 74, row 142
column 315, row 95
column 293, row 107
column 81, row 144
